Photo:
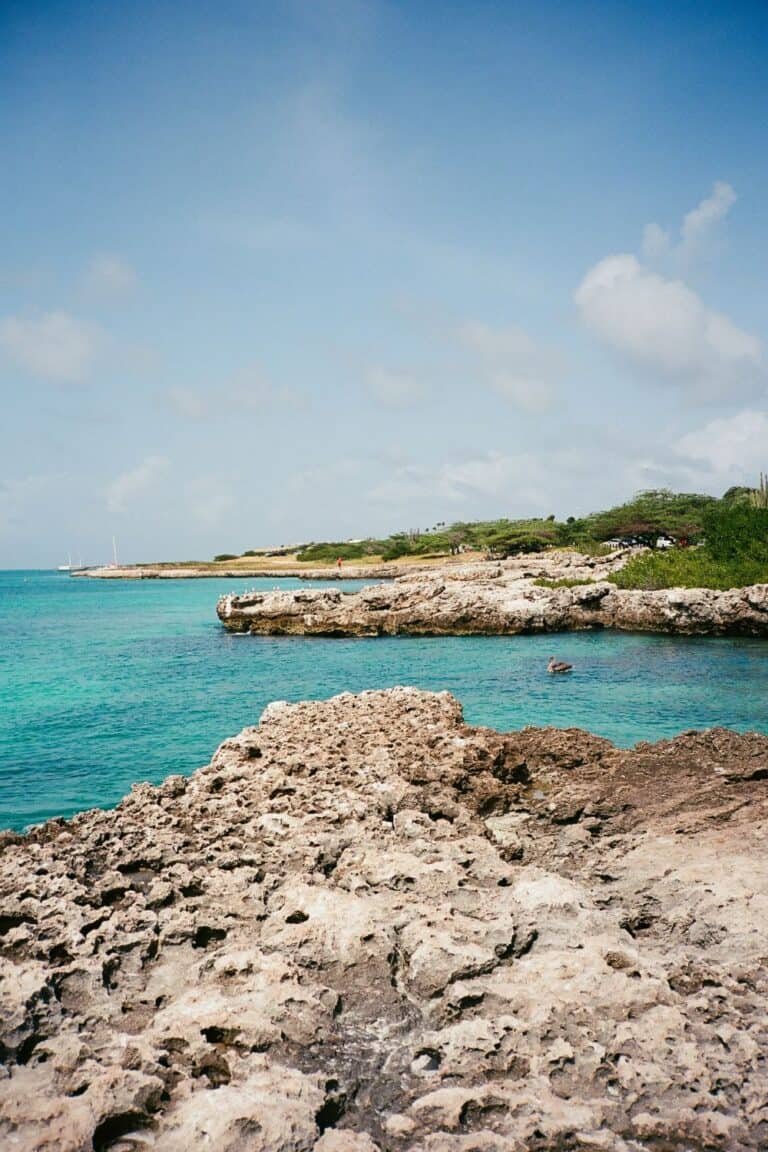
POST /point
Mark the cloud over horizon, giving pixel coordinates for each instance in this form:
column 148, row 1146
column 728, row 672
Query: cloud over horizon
column 54, row 346
column 353, row 310
column 730, row 446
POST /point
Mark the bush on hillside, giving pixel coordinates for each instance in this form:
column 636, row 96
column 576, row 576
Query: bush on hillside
column 652, row 513
column 737, row 531
column 329, row 552
column 689, row 568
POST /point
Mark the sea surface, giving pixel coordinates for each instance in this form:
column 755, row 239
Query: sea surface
column 105, row 683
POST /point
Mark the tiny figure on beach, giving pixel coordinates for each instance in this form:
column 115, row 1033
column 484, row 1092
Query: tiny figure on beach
column 555, row 666
column 338, row 561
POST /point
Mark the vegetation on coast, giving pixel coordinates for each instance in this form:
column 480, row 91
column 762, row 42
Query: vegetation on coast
column 648, row 515
column 712, row 542
column 734, row 553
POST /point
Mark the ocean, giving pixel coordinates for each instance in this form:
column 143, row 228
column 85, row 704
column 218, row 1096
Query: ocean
column 106, row 683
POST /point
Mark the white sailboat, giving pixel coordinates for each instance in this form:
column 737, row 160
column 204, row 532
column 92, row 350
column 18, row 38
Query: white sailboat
column 70, row 567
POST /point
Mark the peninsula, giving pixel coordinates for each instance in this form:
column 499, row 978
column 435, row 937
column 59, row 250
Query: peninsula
column 694, row 541
column 546, row 593
column 253, row 570
column 369, row 927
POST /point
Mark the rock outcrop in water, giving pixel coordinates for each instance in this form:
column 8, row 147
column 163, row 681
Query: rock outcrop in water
column 499, row 599
column 366, row 925
column 296, row 571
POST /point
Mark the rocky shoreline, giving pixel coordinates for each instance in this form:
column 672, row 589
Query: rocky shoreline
column 499, row 599
column 368, row 926
column 251, row 572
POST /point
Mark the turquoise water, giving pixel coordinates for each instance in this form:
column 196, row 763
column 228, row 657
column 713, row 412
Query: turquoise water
column 106, row 683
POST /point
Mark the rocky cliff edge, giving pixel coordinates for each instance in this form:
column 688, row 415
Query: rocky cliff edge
column 499, row 599
column 366, row 925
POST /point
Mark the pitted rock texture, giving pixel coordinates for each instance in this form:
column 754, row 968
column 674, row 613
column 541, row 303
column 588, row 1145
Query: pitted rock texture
column 367, row 926
column 499, row 599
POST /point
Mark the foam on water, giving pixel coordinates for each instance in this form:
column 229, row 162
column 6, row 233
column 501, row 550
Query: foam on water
column 105, row 683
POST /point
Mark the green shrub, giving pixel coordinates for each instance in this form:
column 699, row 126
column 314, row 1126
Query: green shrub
column 330, row 552
column 737, row 530
column 225, row 556
column 689, row 568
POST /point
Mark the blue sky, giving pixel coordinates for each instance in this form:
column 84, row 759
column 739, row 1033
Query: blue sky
column 274, row 272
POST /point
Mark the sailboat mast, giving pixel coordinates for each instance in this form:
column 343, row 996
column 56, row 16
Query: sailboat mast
column 114, row 550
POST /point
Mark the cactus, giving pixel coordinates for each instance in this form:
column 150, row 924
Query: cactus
column 759, row 496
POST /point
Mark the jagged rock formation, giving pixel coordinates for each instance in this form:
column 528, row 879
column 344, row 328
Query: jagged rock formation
column 499, row 599
column 366, row 925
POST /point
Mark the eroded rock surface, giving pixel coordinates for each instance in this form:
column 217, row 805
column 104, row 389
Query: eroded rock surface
column 366, row 925
column 499, row 599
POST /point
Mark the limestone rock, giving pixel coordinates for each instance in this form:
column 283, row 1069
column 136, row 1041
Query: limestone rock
column 368, row 927
column 500, row 599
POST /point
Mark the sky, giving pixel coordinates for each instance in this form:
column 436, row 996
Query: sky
column 289, row 271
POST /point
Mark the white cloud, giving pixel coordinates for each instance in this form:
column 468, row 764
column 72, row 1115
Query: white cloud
column 514, row 364
column 394, row 389
column 665, row 328
column 525, row 481
column 489, row 475
column 122, row 491
column 56, row 346
column 730, row 446
column 109, row 275
column 405, row 485
column 701, row 218
column 659, row 247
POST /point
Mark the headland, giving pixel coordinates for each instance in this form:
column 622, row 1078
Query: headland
column 545, row 593
column 369, row 927
column 259, row 570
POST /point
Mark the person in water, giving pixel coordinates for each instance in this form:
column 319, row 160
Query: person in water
column 555, row 666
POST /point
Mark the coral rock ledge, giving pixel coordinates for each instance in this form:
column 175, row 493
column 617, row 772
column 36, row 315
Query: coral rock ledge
column 366, row 925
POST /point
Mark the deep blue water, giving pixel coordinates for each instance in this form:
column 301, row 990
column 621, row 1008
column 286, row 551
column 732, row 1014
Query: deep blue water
column 104, row 683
